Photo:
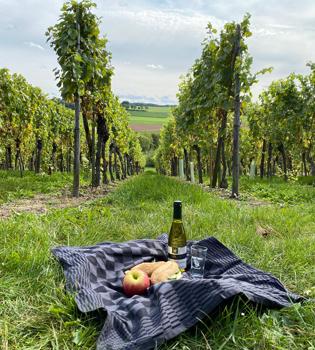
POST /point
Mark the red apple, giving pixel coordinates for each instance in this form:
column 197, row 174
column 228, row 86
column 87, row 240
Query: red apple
column 135, row 282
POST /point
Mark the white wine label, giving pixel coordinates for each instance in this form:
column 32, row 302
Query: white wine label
column 177, row 251
column 179, row 255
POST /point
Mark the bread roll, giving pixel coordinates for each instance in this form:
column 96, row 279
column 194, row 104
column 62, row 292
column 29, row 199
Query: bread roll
column 149, row 267
column 165, row 271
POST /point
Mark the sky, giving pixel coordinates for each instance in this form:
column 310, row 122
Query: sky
column 154, row 42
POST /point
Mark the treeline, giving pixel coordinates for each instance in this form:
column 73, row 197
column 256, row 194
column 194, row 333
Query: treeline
column 218, row 127
column 149, row 143
column 37, row 133
column 135, row 105
column 280, row 132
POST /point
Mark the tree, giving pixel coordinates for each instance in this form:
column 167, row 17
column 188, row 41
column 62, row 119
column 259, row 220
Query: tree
column 218, row 83
column 75, row 38
column 38, row 130
column 29, row 121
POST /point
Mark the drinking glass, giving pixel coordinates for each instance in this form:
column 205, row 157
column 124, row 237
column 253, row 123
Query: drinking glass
column 198, row 260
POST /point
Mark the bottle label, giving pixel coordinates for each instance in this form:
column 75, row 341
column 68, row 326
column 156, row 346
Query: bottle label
column 179, row 255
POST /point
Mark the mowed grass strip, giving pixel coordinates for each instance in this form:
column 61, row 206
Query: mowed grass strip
column 150, row 116
column 159, row 111
column 36, row 313
column 135, row 120
column 149, row 113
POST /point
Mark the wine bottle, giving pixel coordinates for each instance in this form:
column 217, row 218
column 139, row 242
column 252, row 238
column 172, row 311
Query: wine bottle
column 177, row 250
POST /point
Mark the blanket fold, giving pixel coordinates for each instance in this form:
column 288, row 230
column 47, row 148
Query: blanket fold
column 95, row 275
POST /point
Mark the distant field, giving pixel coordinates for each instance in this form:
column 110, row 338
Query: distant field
column 151, row 119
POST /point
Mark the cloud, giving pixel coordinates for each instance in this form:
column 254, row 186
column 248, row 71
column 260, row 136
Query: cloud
column 10, row 27
column 36, row 46
column 155, row 66
column 138, row 80
column 147, row 35
column 171, row 34
column 282, row 26
column 263, row 32
column 170, row 21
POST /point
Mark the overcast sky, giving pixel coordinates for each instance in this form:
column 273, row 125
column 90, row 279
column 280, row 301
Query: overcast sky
column 154, row 42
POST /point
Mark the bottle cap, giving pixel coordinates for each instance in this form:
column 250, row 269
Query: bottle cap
column 177, row 209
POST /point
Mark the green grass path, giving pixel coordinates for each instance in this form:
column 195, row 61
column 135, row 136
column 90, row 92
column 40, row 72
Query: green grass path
column 35, row 313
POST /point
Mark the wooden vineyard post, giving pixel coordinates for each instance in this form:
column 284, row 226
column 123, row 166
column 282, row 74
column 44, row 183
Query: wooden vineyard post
column 252, row 170
column 192, row 172
column 76, row 158
column 236, row 131
column 181, row 169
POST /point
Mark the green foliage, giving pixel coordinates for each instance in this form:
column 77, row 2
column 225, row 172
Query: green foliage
column 155, row 140
column 37, row 132
column 206, row 96
column 307, row 180
column 149, row 143
column 85, row 77
column 150, row 160
column 81, row 52
column 36, row 313
column 285, row 119
column 277, row 132
column 169, row 146
column 28, row 115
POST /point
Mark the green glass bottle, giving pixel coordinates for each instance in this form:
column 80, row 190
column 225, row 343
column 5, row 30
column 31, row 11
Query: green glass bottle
column 177, row 249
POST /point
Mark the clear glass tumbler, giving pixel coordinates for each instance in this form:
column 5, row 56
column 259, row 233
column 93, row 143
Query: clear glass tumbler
column 198, row 260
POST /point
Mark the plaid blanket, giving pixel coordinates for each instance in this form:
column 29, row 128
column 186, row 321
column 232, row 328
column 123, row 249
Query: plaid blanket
column 95, row 275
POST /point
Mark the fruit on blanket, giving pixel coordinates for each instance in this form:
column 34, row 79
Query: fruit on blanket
column 135, row 282
column 164, row 272
column 148, row 267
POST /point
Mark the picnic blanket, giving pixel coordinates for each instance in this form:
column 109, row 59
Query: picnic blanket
column 95, row 275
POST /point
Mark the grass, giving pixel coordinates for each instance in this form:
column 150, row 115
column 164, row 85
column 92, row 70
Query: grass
column 151, row 116
column 135, row 120
column 12, row 186
column 278, row 191
column 36, row 313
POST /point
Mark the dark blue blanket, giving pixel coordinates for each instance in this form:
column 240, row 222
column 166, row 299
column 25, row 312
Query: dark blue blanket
column 95, row 275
